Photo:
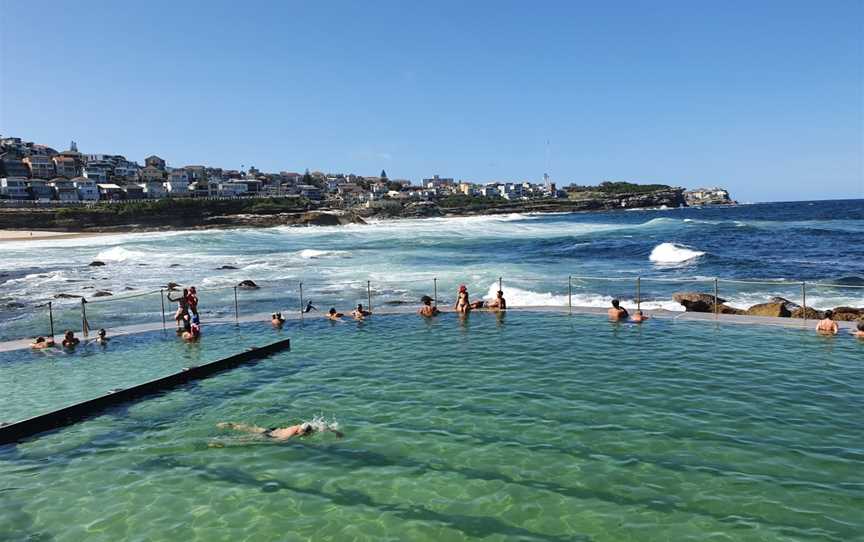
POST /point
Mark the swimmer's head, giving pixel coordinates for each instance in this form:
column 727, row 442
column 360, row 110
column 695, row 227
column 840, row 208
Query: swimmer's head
column 42, row 339
column 639, row 313
column 615, row 303
column 829, row 314
column 860, row 325
column 463, row 288
column 332, row 310
column 305, row 428
column 500, row 293
column 101, row 332
column 426, row 300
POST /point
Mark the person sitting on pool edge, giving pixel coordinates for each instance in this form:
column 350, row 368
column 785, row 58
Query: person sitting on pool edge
column 277, row 433
column 70, row 340
column 359, row 313
column 617, row 312
column 42, row 343
column 827, row 326
column 638, row 317
column 428, row 309
column 276, row 319
column 333, row 315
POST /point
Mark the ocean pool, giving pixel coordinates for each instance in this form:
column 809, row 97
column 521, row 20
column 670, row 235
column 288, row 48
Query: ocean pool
column 528, row 426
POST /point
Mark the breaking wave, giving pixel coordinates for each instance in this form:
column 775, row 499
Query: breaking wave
column 670, row 253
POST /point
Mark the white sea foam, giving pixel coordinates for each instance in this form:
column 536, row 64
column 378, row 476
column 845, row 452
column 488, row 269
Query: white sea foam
column 517, row 297
column 120, row 254
column 670, row 253
column 314, row 254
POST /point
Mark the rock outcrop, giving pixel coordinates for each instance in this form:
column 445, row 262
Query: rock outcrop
column 96, row 263
column 247, row 285
column 810, row 313
column 848, row 314
column 774, row 309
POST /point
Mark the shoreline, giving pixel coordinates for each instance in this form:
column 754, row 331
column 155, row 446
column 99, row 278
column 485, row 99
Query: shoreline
column 8, row 235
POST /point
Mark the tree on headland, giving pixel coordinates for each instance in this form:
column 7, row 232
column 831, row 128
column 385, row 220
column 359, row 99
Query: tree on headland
column 383, row 175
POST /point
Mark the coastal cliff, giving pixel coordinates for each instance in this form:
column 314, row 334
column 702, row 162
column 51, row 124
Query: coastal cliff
column 264, row 212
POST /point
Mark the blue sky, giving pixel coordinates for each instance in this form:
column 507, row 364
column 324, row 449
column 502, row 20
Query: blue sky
column 763, row 97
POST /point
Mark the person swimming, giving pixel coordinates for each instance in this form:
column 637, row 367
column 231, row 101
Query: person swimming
column 41, row 343
column 101, row 337
column 638, row 317
column 309, row 307
column 276, row 319
column 427, row 309
column 70, row 340
column 617, row 312
column 860, row 331
column 360, row 313
column 279, row 433
column 333, row 315
column 827, row 326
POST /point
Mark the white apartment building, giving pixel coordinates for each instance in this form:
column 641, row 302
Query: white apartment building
column 88, row 190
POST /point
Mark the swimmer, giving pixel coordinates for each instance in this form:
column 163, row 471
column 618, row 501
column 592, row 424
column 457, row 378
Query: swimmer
column 499, row 302
column 276, row 319
column 333, row 315
column 360, row 313
column 69, row 339
column 638, row 317
column 101, row 337
column 309, row 307
column 617, row 312
column 827, row 326
column 428, row 310
column 41, row 343
column 194, row 332
column 277, row 433
column 860, row 331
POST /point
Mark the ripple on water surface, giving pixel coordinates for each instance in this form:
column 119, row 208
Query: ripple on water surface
column 535, row 427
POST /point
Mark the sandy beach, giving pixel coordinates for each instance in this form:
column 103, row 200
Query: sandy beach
column 38, row 235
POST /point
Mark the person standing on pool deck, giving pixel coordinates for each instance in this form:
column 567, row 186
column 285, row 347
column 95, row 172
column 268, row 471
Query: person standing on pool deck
column 617, row 312
column 827, row 326
column 499, row 302
column 182, row 306
column 277, row 433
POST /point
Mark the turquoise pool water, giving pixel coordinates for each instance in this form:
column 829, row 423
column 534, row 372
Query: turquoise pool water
column 534, row 427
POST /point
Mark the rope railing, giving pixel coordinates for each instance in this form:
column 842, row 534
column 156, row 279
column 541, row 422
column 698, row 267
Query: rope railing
column 373, row 289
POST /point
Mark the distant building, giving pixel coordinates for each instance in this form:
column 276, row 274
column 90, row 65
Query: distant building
column 438, row 182
column 153, row 189
column 310, row 192
column 110, row 191
column 40, row 190
column 232, row 188
column 178, row 182
column 133, row 191
column 64, row 189
column 88, row 190
column 14, row 188
column 151, row 174
column 100, row 170
column 11, row 166
column 41, row 167
column 67, row 165
column 155, row 161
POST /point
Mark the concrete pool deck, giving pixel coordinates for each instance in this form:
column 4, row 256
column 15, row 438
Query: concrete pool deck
column 264, row 318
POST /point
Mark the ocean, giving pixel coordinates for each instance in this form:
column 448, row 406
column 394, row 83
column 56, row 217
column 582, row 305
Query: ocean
column 818, row 242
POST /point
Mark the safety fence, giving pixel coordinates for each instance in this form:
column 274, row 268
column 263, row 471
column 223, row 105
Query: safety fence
column 779, row 298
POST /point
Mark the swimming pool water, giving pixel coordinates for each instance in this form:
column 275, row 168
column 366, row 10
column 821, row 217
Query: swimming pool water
column 530, row 427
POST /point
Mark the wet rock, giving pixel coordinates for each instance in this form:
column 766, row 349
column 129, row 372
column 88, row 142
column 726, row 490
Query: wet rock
column 15, row 305
column 174, row 265
column 128, row 288
column 96, row 263
column 775, row 309
column 247, row 285
column 67, row 296
column 791, row 305
column 101, row 293
column 848, row 314
column 726, row 309
column 811, row 313
column 226, row 267
column 697, row 302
